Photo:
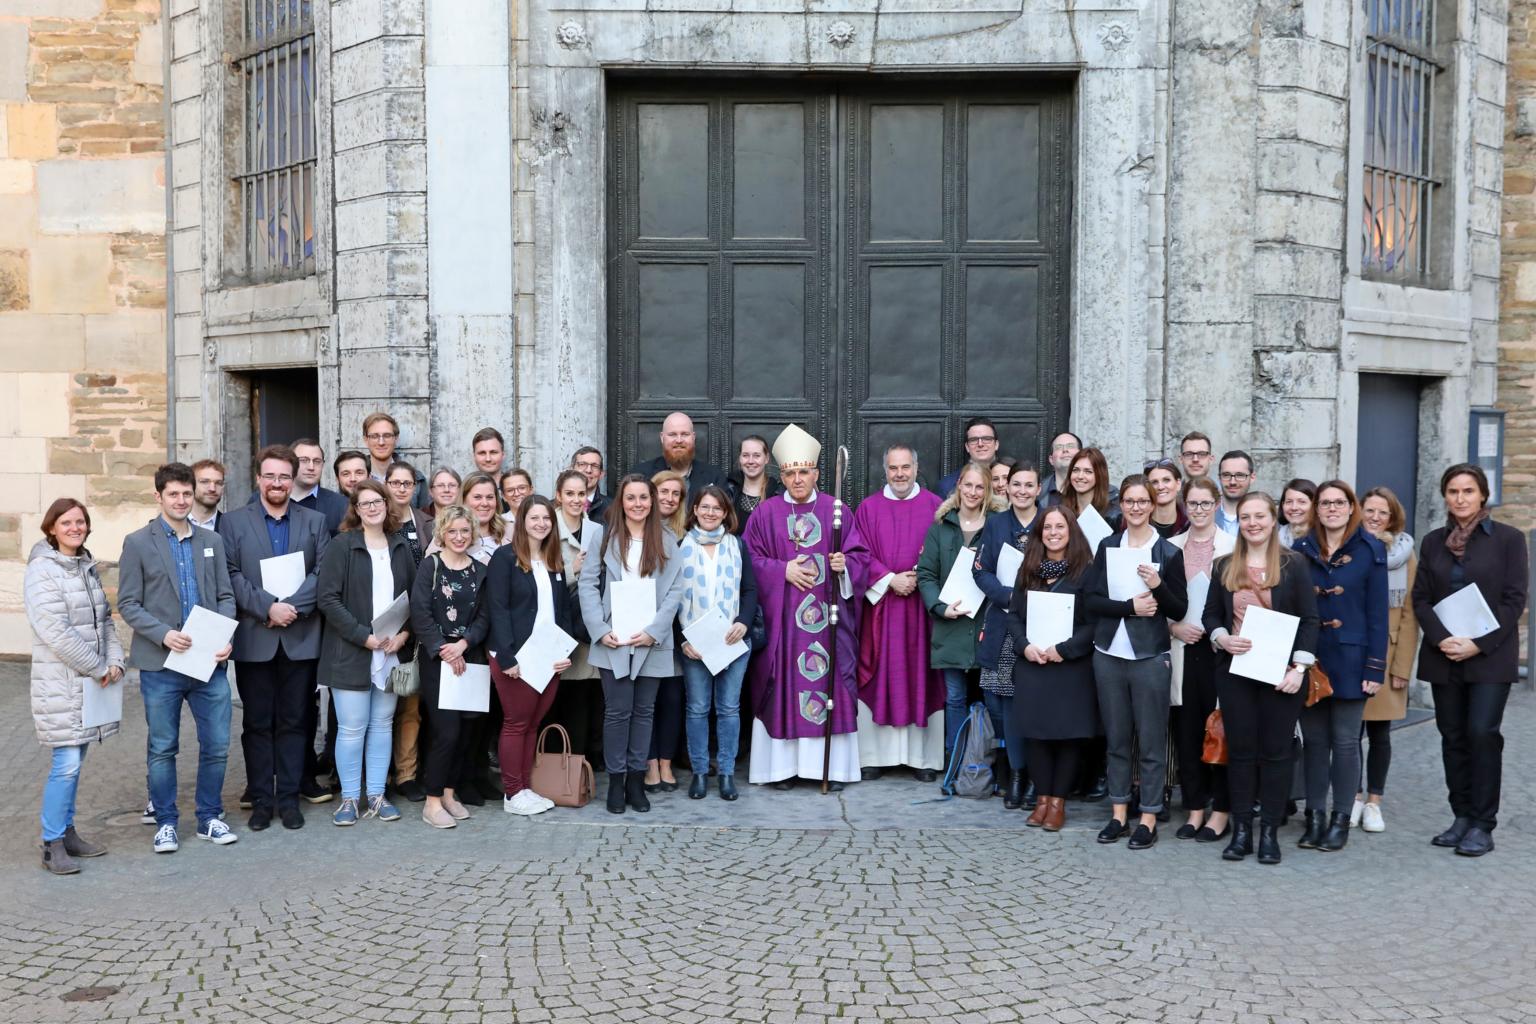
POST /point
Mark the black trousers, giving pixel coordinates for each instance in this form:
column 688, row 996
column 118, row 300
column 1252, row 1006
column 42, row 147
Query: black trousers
column 1260, row 723
column 1379, row 758
column 1053, row 765
column 446, row 752
column 277, row 695
column 1201, row 784
column 1469, row 716
column 667, row 730
column 573, row 710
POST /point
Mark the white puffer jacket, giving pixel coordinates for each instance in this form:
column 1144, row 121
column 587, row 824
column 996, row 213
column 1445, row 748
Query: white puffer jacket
column 73, row 642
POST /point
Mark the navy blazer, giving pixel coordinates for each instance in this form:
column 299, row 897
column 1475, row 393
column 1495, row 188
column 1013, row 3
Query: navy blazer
column 246, row 543
column 512, row 596
column 1351, row 589
column 999, row 529
column 1148, row 634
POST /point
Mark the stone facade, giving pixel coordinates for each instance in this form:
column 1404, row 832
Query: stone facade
column 82, row 273
column 1517, row 329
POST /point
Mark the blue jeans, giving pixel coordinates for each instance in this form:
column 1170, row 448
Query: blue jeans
column 163, row 693
column 365, row 728
column 724, row 691
column 59, row 791
column 955, row 707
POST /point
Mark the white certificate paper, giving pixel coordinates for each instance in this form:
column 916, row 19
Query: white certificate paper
column 468, row 692
column 392, row 620
column 1009, row 558
column 283, row 575
column 1048, row 618
column 210, row 633
column 1274, row 638
column 1199, row 590
column 960, row 584
column 103, row 705
column 547, row 644
column 707, row 635
column 1466, row 614
column 634, row 606
column 1094, row 527
column 1120, row 565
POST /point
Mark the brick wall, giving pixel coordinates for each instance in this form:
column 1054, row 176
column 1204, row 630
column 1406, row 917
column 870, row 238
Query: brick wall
column 82, row 274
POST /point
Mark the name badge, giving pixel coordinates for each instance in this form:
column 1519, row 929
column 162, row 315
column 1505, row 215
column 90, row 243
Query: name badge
column 207, row 552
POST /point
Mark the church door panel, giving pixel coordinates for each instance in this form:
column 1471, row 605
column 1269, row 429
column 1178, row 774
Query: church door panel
column 874, row 262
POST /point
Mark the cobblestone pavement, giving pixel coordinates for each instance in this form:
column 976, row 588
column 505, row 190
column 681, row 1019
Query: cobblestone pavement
column 879, row 905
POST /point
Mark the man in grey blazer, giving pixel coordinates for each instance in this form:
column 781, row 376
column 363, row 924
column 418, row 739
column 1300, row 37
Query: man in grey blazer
column 168, row 568
column 277, row 646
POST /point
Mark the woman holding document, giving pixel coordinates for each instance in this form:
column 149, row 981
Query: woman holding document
column 365, row 569
column 1194, row 668
column 1055, row 704
column 1469, row 656
column 630, row 587
column 667, row 725
column 450, row 618
column 526, row 595
column 1349, row 575
column 1088, row 484
column 1259, row 716
column 718, row 585
column 1136, row 590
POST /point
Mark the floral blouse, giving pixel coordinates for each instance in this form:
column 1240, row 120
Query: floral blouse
column 453, row 600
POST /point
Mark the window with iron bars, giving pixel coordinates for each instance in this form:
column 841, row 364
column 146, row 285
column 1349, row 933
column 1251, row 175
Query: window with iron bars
column 277, row 183
column 1399, row 184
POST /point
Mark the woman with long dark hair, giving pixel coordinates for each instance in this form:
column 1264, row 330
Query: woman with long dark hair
column 1055, row 704
column 630, row 545
column 1259, row 719
column 1088, row 484
column 667, row 729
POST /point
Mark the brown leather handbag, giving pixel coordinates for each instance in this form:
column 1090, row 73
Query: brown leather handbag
column 1318, row 684
column 1214, row 751
column 561, row 776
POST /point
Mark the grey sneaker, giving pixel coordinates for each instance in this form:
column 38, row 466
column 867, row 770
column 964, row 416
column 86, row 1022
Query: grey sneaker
column 216, row 832
column 381, row 808
column 165, row 840
column 57, row 859
column 77, row 847
column 346, row 814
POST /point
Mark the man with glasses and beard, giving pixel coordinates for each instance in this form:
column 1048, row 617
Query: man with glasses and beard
column 677, row 454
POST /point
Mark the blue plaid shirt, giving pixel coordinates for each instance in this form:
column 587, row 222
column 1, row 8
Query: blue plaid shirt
column 185, row 557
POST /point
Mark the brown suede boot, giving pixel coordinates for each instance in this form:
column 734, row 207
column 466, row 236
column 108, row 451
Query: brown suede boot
column 1037, row 816
column 1056, row 814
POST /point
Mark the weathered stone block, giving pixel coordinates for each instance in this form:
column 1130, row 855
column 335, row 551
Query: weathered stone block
column 1297, row 270
column 1294, row 166
column 70, row 274
column 13, row 61
column 392, row 62
column 18, row 220
column 102, row 195
column 1295, row 423
column 1295, row 114
column 356, row 21
column 20, row 492
column 1281, row 375
column 126, row 340
column 14, row 285
column 42, row 403
column 394, row 115
column 376, row 273
column 1285, row 322
column 1291, row 217
column 24, row 454
column 381, row 220
column 377, row 169
column 380, row 323
column 1301, row 63
column 32, row 131
column 15, row 177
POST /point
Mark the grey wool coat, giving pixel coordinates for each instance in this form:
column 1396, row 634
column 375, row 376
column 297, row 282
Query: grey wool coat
column 601, row 567
column 73, row 643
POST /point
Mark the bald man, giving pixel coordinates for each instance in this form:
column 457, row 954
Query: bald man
column 677, row 441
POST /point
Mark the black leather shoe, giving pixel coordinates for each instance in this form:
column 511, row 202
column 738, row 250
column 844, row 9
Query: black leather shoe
column 261, row 819
column 1242, row 841
column 870, row 774
column 1031, row 797
column 634, row 793
column 413, row 791
column 1206, row 834
column 1453, row 836
column 1269, row 844
column 615, row 792
column 698, row 787
column 314, row 793
column 784, row 785
column 925, row 775
column 1338, row 833
column 292, row 817
column 1112, row 832
column 1099, row 791
column 728, row 787
column 1475, row 843
column 1013, row 794
column 653, row 787
column 1317, row 824
column 1143, row 838
column 1187, row 831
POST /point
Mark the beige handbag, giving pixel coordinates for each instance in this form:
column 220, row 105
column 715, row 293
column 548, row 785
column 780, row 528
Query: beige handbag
column 561, row 776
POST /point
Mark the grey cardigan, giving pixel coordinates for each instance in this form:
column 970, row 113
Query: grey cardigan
column 658, row 661
column 149, row 595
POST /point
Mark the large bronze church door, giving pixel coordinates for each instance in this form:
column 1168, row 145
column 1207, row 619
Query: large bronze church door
column 876, row 261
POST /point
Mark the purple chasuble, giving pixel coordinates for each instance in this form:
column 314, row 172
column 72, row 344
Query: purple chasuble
column 896, row 682
column 791, row 676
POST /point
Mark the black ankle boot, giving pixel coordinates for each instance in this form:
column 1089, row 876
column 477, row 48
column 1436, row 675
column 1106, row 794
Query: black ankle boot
column 1317, row 824
column 1269, row 844
column 1031, row 797
column 615, row 792
column 1013, row 797
column 1337, row 835
column 1242, row 840
column 634, row 792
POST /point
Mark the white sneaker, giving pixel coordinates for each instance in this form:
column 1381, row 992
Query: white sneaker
column 165, row 840
column 217, row 833
column 545, row 802
column 523, row 803
column 1371, row 820
column 1354, row 814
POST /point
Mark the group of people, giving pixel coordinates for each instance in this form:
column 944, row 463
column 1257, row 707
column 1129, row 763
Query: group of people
column 852, row 640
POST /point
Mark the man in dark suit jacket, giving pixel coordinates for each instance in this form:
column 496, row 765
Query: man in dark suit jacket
column 306, row 485
column 277, row 646
column 167, row 569
column 677, row 443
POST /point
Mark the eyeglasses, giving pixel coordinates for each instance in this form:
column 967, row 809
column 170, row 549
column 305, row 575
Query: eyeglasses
column 275, row 478
column 1334, row 503
column 1199, row 506
column 380, row 437
column 1135, row 502
column 369, row 506
column 1196, row 455
column 982, row 439
column 1236, row 476
column 311, row 462
column 401, row 483
column 1064, row 448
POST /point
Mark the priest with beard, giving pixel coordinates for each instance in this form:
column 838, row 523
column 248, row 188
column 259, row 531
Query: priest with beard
column 677, row 441
column 799, row 573
column 901, row 697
